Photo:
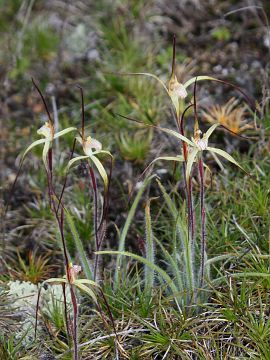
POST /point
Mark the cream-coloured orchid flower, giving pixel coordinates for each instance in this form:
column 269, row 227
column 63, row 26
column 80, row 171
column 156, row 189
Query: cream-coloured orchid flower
column 91, row 148
column 89, row 144
column 81, row 284
column 47, row 130
column 199, row 144
column 175, row 90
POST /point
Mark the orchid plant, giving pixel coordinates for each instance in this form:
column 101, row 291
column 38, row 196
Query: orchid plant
column 192, row 152
column 92, row 148
column 47, row 130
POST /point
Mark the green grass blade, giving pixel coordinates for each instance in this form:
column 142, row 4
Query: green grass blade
column 154, row 267
column 173, row 264
column 150, row 252
column 188, row 266
column 124, row 232
column 149, row 75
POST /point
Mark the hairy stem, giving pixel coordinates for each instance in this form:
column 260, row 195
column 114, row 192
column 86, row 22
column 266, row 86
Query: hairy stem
column 75, row 322
column 94, row 185
column 203, row 231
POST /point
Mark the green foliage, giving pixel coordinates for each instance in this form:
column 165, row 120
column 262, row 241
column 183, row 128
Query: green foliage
column 153, row 306
column 221, row 33
column 136, row 147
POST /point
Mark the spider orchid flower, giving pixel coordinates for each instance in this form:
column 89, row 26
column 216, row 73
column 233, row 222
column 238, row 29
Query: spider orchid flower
column 197, row 145
column 175, row 90
column 47, row 130
column 91, row 148
column 81, row 284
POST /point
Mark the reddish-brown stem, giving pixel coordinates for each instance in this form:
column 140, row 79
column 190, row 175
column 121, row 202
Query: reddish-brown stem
column 43, row 100
column 94, row 186
column 180, row 123
column 173, row 57
column 109, row 312
column 65, row 181
column 65, row 308
column 75, row 322
column 37, row 307
column 188, row 186
column 83, row 113
column 60, row 222
column 203, row 231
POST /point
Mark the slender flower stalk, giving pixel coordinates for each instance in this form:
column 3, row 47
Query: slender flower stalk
column 91, row 148
column 203, row 223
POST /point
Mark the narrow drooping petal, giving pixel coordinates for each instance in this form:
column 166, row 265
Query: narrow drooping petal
column 226, row 156
column 191, row 158
column 63, row 132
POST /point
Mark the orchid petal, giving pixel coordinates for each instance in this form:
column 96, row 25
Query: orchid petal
column 150, row 75
column 34, row 144
column 78, row 158
column 65, row 131
column 45, row 153
column 175, row 134
column 102, row 152
column 191, row 159
column 210, row 131
column 198, row 78
column 226, row 156
column 101, row 170
column 86, row 289
column 55, row 281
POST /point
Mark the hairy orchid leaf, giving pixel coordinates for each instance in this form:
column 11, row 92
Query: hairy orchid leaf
column 152, row 266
